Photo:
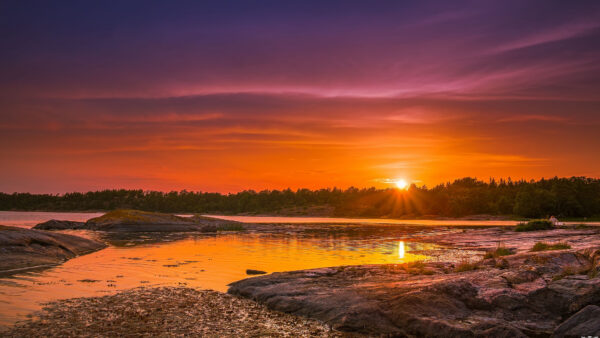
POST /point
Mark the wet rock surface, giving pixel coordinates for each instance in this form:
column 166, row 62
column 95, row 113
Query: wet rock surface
column 529, row 294
column 24, row 248
column 165, row 312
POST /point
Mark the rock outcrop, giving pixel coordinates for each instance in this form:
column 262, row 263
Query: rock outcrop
column 54, row 224
column 584, row 323
column 24, row 248
column 144, row 221
column 527, row 294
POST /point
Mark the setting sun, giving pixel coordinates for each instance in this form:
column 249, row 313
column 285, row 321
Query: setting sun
column 401, row 184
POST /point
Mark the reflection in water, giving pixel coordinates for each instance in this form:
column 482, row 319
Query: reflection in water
column 339, row 220
column 203, row 261
column 401, row 249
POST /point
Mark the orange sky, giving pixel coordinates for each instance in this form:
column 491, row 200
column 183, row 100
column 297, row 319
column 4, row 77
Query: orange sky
column 360, row 142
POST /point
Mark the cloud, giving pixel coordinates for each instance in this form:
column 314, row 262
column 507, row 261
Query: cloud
column 551, row 35
column 529, row 118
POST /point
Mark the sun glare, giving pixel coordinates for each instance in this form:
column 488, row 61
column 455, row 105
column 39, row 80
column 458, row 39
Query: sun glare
column 401, row 184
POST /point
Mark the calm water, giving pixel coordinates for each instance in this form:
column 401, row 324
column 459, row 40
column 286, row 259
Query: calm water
column 337, row 220
column 206, row 261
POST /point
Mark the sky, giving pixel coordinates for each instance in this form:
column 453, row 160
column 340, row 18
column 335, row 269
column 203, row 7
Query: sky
column 226, row 96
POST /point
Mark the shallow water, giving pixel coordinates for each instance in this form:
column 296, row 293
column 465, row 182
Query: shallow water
column 27, row 219
column 204, row 261
column 338, row 220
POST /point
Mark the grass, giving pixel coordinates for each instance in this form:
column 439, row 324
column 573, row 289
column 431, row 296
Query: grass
column 498, row 252
column 541, row 246
column 132, row 216
column 535, row 224
column 570, row 271
column 417, row 268
column 464, row 266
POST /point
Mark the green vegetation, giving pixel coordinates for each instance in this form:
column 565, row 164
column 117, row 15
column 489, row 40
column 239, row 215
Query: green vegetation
column 465, row 266
column 498, row 252
column 541, row 246
column 570, row 271
column 533, row 225
column 576, row 197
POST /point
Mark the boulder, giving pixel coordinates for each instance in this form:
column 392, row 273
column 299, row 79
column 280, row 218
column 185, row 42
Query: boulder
column 25, row 248
column 586, row 322
column 54, row 224
column 528, row 297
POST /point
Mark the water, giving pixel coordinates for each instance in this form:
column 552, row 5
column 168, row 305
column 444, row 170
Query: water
column 337, row 220
column 30, row 218
column 207, row 261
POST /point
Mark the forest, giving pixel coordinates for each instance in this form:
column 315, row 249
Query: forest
column 574, row 197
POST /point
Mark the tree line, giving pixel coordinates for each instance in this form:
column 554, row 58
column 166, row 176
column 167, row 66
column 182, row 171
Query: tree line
column 561, row 197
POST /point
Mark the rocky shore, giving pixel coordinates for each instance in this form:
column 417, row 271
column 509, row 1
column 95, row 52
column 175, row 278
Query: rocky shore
column 24, row 248
column 165, row 312
column 535, row 294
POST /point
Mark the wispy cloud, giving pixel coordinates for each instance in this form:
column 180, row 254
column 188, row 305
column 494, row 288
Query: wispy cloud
column 554, row 34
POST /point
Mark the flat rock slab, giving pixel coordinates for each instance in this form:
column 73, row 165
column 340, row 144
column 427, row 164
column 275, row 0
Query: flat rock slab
column 489, row 238
column 25, row 248
column 529, row 296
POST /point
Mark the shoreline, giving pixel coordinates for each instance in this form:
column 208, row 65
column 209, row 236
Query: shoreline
column 519, row 292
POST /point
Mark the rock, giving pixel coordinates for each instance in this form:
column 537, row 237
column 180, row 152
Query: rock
column 209, row 228
column 136, row 220
column 584, row 323
column 145, row 221
column 54, row 224
column 523, row 299
column 25, row 248
column 255, row 272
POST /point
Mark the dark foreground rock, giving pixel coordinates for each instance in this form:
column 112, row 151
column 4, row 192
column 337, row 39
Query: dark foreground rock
column 24, row 248
column 527, row 294
column 584, row 323
column 165, row 312
column 54, row 224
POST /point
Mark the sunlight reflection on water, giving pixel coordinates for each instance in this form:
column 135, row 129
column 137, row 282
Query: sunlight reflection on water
column 201, row 260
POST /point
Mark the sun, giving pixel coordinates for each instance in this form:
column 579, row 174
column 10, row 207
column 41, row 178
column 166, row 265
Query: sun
column 401, row 184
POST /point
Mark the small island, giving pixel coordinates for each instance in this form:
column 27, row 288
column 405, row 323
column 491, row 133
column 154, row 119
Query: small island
column 124, row 220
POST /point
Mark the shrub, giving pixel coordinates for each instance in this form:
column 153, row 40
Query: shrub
column 541, row 246
column 533, row 225
column 465, row 266
column 570, row 271
column 499, row 251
